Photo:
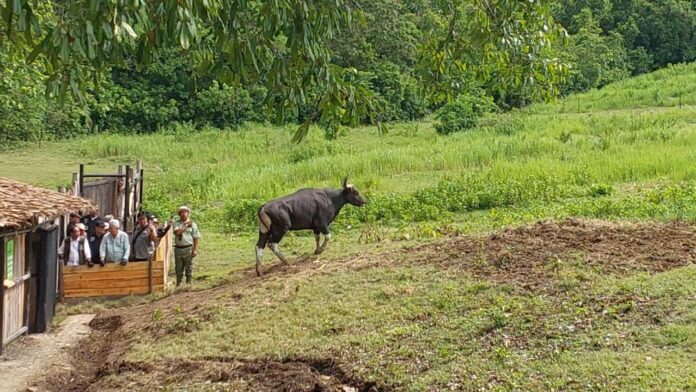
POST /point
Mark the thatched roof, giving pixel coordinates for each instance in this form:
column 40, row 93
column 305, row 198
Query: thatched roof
column 23, row 205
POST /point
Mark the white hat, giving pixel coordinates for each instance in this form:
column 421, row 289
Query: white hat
column 182, row 208
column 115, row 223
column 81, row 226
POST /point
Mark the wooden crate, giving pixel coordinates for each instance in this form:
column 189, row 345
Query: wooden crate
column 115, row 280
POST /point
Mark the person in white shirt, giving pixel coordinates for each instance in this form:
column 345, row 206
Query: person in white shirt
column 74, row 250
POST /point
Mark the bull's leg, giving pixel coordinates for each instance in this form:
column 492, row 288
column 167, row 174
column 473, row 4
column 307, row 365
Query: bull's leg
column 263, row 239
column 317, row 239
column 327, row 238
column 275, row 240
column 276, row 251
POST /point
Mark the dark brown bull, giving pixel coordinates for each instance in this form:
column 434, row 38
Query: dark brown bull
column 307, row 209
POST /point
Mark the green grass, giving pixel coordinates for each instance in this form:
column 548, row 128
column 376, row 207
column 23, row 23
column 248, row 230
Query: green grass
column 628, row 155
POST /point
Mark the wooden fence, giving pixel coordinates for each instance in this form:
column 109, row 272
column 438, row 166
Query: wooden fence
column 115, row 280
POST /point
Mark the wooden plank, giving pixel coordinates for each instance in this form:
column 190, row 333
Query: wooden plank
column 111, row 276
column 83, row 269
column 114, row 292
column 131, row 266
column 104, row 284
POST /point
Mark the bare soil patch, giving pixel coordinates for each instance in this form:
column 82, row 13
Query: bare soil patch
column 290, row 375
column 530, row 256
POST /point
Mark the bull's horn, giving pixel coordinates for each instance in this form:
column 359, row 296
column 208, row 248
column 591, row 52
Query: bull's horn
column 345, row 182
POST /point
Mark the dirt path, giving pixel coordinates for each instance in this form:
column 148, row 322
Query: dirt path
column 28, row 360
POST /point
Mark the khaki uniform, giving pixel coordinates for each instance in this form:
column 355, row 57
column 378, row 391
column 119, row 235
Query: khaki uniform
column 183, row 251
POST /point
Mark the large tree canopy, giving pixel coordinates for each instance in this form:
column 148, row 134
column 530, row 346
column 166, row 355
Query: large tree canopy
column 283, row 44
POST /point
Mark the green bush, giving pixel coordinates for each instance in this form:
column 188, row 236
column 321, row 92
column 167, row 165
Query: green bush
column 463, row 113
column 221, row 106
column 26, row 115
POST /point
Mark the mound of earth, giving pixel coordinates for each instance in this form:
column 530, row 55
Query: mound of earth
column 291, row 375
column 530, row 256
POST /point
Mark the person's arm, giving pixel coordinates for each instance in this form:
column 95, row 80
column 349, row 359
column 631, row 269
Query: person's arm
column 196, row 238
column 61, row 251
column 87, row 250
column 126, row 250
column 182, row 227
column 195, row 247
column 102, row 249
column 153, row 233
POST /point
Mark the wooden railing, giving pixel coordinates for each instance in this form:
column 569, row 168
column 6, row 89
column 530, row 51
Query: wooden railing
column 116, row 280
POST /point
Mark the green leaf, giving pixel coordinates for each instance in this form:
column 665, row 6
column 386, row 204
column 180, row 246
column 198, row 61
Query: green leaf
column 301, row 132
column 129, row 29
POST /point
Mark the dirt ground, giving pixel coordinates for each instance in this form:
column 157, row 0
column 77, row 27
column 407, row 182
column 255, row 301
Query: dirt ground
column 34, row 355
column 526, row 257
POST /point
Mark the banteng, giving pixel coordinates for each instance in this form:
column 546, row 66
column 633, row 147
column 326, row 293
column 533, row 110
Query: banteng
column 306, row 209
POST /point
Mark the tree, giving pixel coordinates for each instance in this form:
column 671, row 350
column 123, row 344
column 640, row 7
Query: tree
column 505, row 46
column 283, row 41
column 284, row 44
column 597, row 59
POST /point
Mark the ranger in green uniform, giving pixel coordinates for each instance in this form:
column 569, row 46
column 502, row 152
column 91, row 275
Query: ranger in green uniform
column 186, row 237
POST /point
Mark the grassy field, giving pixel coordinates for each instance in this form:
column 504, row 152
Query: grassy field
column 622, row 153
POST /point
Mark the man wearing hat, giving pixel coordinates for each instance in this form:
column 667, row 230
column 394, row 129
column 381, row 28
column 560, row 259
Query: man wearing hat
column 101, row 227
column 186, row 237
column 74, row 219
column 91, row 220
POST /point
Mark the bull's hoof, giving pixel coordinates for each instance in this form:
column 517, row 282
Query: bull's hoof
column 258, row 273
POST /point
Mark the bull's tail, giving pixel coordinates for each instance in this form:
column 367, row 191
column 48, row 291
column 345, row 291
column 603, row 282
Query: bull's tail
column 264, row 221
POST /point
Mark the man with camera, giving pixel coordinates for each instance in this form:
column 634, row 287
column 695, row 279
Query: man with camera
column 186, row 238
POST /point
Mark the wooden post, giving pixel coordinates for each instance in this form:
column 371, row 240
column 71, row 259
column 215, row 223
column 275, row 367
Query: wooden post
column 75, row 184
column 140, row 187
column 120, row 196
column 126, row 204
column 82, row 178
column 2, row 294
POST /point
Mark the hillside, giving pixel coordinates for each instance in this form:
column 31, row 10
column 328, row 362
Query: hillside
column 444, row 281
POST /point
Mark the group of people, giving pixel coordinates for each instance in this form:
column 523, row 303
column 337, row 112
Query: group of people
column 95, row 240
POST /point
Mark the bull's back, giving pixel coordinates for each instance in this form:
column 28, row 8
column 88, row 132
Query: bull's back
column 297, row 209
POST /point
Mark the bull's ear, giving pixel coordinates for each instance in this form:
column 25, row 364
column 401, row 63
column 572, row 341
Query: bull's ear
column 345, row 182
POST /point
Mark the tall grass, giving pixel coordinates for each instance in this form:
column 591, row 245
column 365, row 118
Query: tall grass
column 411, row 173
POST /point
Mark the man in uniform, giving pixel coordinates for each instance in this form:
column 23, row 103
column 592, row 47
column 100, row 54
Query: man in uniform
column 186, row 237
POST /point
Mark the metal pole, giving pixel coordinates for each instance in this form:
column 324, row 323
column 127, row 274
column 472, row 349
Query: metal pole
column 82, row 175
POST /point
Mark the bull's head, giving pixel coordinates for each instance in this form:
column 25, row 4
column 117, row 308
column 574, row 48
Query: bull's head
column 352, row 194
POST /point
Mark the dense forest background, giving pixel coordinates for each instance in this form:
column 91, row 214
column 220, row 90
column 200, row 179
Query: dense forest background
column 606, row 41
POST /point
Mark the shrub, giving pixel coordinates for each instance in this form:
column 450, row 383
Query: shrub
column 463, row 113
column 221, row 106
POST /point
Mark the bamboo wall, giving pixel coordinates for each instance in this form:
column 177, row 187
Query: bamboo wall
column 115, row 280
column 14, row 297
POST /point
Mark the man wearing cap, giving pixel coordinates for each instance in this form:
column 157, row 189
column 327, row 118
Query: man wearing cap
column 115, row 246
column 186, row 237
column 90, row 221
column 95, row 239
column 74, row 219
